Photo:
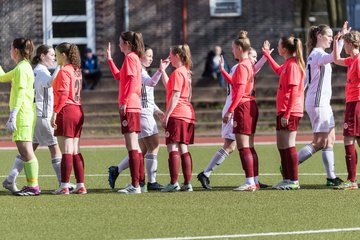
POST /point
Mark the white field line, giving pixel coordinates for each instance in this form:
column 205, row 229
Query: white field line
column 334, row 230
column 194, row 174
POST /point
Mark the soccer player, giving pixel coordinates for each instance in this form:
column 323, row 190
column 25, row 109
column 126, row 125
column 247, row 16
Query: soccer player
column 289, row 105
column 68, row 116
column 352, row 91
column 317, row 101
column 227, row 131
column 179, row 118
column 148, row 137
column 22, row 114
column 129, row 77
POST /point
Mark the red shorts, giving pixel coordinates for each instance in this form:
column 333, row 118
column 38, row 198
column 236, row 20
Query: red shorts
column 179, row 131
column 351, row 119
column 69, row 121
column 245, row 118
column 130, row 122
column 293, row 123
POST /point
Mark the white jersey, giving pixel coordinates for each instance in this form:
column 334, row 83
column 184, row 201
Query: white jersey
column 44, row 95
column 148, row 105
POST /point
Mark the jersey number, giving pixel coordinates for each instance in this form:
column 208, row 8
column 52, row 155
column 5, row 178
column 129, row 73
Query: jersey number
column 77, row 88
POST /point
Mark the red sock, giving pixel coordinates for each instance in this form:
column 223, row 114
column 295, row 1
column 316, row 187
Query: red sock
column 292, row 163
column 351, row 161
column 284, row 163
column 134, row 165
column 186, row 164
column 174, row 165
column 247, row 161
column 66, row 167
column 141, row 168
column 78, row 161
column 256, row 161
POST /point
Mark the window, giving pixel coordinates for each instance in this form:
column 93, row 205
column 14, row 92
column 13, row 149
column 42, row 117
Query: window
column 225, row 8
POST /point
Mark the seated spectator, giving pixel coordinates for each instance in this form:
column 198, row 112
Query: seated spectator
column 212, row 66
column 90, row 69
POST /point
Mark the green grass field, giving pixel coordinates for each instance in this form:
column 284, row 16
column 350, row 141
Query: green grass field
column 221, row 213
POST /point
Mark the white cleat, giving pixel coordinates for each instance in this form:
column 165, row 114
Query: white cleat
column 11, row 186
column 130, row 189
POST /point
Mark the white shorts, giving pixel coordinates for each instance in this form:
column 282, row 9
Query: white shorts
column 322, row 118
column 148, row 126
column 44, row 133
column 227, row 130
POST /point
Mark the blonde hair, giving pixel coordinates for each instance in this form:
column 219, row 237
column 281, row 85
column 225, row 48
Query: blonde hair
column 312, row 36
column 243, row 41
column 352, row 37
column 184, row 53
column 294, row 45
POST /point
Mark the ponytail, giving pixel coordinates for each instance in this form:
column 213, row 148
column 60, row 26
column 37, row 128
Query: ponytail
column 25, row 47
column 294, row 45
column 72, row 53
column 312, row 36
column 135, row 40
column 243, row 41
column 184, row 53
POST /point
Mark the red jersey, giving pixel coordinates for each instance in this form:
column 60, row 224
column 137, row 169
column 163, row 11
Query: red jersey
column 180, row 80
column 352, row 87
column 243, row 85
column 67, row 86
column 130, row 81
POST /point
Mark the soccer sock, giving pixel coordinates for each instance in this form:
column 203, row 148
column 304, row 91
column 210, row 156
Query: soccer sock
column 151, row 167
column 216, row 160
column 16, row 168
column 124, row 164
column 56, row 163
column 66, row 167
column 256, row 165
column 285, row 174
column 174, row 166
column 79, row 168
column 329, row 162
column 186, row 164
column 351, row 161
column 247, row 162
column 306, row 152
column 292, row 163
column 31, row 168
column 134, row 165
column 141, row 168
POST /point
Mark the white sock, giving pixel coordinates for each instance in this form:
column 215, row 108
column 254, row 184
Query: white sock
column 56, row 163
column 294, row 182
column 306, row 152
column 16, row 168
column 216, row 160
column 250, row 181
column 124, row 164
column 151, row 167
column 79, row 185
column 64, row 185
column 329, row 162
column 256, row 179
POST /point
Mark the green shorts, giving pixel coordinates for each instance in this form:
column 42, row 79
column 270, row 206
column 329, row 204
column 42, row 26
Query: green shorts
column 25, row 123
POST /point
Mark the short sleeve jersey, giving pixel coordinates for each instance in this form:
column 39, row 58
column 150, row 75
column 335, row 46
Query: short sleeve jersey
column 130, row 83
column 290, row 74
column 352, row 87
column 180, row 80
column 67, row 87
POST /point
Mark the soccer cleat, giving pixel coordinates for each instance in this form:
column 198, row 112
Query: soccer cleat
column 333, row 182
column 246, row 187
column 171, row 187
column 283, row 182
column 28, row 191
column 80, row 190
column 289, row 186
column 72, row 187
column 143, row 187
column 130, row 189
column 348, row 185
column 186, row 188
column 155, row 186
column 11, row 186
column 61, row 191
column 204, row 180
column 261, row 185
column 113, row 174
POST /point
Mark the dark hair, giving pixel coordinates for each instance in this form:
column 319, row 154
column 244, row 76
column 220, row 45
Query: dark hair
column 42, row 49
column 147, row 47
column 294, row 45
column 312, row 36
column 352, row 37
column 184, row 53
column 72, row 52
column 243, row 41
column 135, row 40
column 25, row 47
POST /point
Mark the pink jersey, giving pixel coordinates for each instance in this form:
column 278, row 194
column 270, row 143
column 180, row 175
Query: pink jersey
column 130, row 82
column 243, row 85
column 67, row 86
column 352, row 88
column 180, row 80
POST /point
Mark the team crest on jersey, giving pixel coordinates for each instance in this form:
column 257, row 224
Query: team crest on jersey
column 167, row 134
column 346, row 126
column 124, row 123
column 235, row 124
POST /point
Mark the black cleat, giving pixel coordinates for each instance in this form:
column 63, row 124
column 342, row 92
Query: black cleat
column 113, row 174
column 333, row 182
column 155, row 186
column 204, row 180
